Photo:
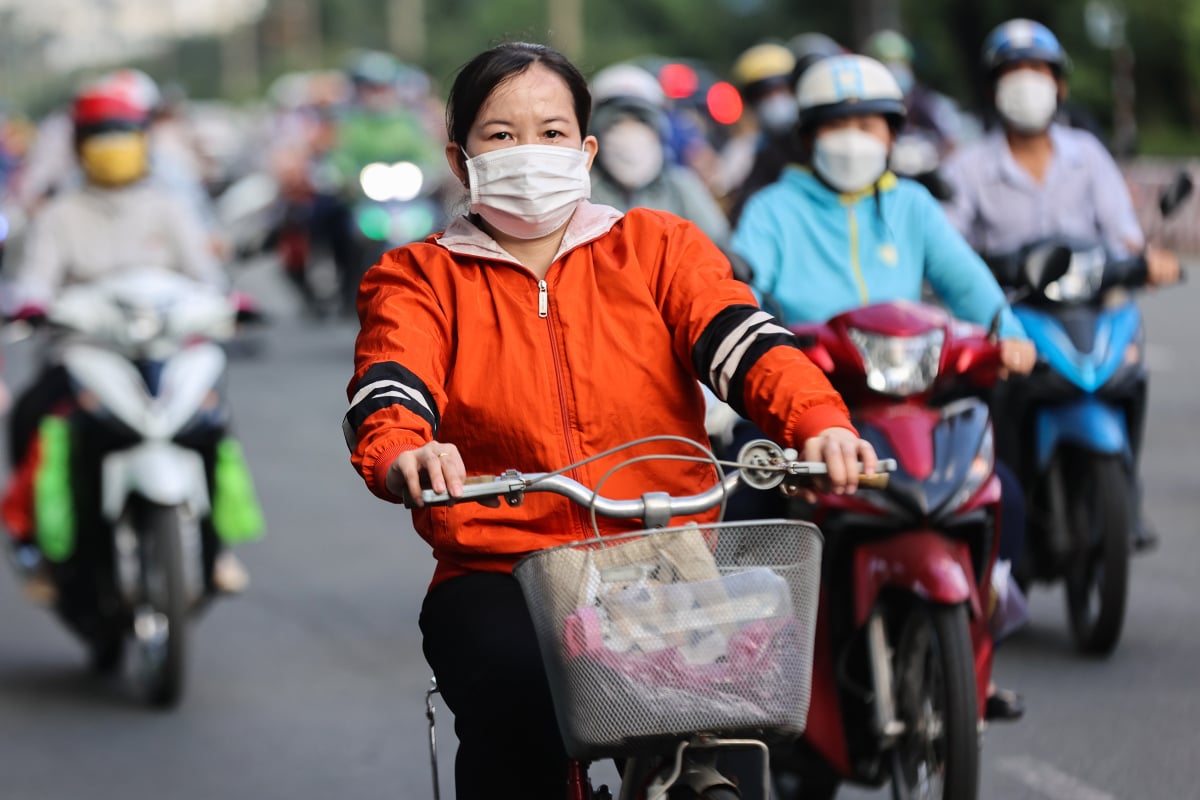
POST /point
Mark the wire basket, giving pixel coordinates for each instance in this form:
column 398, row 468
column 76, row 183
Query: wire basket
column 658, row 635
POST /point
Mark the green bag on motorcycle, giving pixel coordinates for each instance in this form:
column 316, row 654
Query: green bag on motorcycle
column 236, row 514
column 53, row 502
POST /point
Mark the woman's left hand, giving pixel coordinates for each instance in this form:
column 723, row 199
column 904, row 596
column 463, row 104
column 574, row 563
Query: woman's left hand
column 1018, row 356
column 841, row 450
column 1162, row 267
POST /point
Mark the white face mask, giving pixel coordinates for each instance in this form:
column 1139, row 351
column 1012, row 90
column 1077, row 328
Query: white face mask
column 632, row 153
column 778, row 113
column 529, row 190
column 850, row 160
column 1027, row 100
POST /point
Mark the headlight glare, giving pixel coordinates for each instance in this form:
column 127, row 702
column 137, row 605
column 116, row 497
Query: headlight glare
column 899, row 365
column 1082, row 279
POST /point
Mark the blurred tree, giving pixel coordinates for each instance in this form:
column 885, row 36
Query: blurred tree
column 1164, row 37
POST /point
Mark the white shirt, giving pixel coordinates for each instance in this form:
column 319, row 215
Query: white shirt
column 999, row 207
column 87, row 233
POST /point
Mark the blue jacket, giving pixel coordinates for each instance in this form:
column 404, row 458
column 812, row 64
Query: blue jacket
column 819, row 253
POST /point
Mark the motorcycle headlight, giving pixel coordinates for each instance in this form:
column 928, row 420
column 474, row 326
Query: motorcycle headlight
column 980, row 469
column 1082, row 278
column 899, row 365
column 401, row 181
column 143, row 325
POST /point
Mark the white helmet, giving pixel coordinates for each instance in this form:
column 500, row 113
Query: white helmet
column 848, row 86
column 628, row 82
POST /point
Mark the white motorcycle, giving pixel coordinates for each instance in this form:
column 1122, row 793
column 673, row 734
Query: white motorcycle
column 133, row 558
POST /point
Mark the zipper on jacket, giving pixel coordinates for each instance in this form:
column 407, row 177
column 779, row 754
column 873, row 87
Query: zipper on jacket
column 852, row 221
column 544, row 311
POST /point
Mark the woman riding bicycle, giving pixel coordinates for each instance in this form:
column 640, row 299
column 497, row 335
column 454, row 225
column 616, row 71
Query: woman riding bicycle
column 536, row 331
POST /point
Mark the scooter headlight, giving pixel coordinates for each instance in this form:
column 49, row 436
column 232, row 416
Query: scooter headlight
column 1082, row 278
column 401, row 181
column 143, row 326
column 899, row 365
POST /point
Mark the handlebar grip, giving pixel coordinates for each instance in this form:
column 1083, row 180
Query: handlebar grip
column 877, row 481
column 485, row 489
column 472, row 480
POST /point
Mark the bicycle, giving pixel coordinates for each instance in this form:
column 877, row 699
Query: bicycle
column 667, row 645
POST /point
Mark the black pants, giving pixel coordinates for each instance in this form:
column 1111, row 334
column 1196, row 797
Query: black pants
column 479, row 640
column 49, row 388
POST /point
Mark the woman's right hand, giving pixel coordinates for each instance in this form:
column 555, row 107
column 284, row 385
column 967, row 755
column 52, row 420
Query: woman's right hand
column 439, row 461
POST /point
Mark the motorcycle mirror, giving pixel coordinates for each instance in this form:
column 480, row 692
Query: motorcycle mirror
column 1177, row 191
column 1047, row 263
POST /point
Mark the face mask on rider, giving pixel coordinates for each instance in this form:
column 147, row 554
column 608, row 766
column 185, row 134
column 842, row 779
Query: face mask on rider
column 777, row 113
column 1027, row 100
column 632, row 153
column 114, row 159
column 849, row 159
column 529, row 190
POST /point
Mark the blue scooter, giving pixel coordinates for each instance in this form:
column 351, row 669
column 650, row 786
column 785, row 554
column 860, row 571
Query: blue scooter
column 1074, row 426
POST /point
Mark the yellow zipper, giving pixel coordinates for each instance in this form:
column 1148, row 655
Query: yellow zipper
column 854, row 261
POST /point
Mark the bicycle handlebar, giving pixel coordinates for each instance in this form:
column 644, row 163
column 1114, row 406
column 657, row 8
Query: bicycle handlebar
column 764, row 466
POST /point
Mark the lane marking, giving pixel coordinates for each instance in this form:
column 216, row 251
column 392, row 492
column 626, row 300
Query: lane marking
column 1049, row 781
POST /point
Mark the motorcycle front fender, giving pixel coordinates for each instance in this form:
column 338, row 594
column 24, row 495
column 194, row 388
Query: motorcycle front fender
column 162, row 472
column 1088, row 423
column 922, row 562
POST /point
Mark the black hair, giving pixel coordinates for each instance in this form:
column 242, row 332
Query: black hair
column 482, row 74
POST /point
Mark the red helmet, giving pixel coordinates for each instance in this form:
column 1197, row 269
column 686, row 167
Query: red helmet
column 120, row 99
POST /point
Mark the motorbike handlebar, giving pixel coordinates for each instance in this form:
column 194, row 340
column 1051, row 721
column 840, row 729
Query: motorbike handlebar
column 1132, row 273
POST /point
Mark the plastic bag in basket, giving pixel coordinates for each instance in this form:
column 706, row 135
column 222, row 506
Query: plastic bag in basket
column 714, row 640
column 573, row 577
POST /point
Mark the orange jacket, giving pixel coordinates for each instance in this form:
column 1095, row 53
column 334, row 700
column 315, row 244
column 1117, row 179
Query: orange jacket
column 462, row 343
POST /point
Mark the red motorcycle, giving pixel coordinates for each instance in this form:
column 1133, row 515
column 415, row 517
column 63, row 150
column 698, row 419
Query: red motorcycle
column 903, row 651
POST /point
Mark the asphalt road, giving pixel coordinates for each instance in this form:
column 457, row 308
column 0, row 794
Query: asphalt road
column 311, row 684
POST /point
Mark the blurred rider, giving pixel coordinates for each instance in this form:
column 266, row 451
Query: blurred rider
column 764, row 76
column 929, row 113
column 632, row 168
column 117, row 220
column 388, row 120
column 1035, row 178
column 839, row 231
column 770, row 93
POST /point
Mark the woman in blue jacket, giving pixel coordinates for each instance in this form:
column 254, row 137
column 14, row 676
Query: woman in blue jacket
column 840, row 231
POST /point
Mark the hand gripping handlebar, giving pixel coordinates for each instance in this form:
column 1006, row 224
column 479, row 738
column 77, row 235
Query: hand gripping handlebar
column 761, row 465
